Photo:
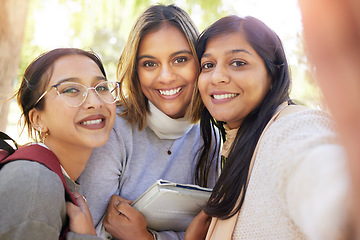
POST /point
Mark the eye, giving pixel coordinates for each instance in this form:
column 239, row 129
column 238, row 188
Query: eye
column 180, row 60
column 149, row 64
column 102, row 88
column 237, row 63
column 70, row 90
column 207, row 65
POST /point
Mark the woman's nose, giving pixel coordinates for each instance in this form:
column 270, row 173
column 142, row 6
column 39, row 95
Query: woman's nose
column 220, row 75
column 167, row 74
column 92, row 100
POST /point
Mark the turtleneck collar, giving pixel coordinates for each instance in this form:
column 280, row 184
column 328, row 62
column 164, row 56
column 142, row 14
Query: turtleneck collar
column 166, row 127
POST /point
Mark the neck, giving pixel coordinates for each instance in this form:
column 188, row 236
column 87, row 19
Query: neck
column 72, row 158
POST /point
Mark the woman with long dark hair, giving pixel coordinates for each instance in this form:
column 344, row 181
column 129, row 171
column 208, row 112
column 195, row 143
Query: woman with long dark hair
column 283, row 173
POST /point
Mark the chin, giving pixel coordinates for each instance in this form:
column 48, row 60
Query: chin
column 98, row 141
column 176, row 114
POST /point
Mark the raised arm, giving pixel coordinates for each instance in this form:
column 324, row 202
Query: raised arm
column 332, row 35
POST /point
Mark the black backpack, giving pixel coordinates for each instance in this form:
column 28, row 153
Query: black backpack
column 38, row 154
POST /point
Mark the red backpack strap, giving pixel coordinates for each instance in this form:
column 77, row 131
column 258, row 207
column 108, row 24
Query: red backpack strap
column 40, row 154
column 3, row 154
column 44, row 156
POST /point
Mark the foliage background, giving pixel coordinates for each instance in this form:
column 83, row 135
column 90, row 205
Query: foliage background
column 103, row 26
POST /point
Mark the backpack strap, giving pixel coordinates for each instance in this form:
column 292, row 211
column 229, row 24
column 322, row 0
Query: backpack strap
column 3, row 154
column 40, row 154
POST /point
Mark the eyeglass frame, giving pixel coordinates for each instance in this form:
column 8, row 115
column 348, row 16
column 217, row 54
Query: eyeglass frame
column 87, row 92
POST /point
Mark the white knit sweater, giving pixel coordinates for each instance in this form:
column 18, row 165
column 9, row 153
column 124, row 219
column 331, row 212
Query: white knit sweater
column 299, row 184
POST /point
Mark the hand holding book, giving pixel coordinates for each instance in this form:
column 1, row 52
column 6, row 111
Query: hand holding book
column 123, row 221
column 171, row 206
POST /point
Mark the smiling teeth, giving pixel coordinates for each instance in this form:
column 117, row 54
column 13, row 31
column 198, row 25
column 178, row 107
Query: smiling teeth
column 92, row 122
column 170, row 92
column 223, row 96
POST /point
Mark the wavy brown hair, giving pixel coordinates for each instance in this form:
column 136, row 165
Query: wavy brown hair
column 131, row 95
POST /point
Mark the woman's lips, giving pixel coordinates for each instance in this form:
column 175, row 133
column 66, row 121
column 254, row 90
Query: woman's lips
column 93, row 122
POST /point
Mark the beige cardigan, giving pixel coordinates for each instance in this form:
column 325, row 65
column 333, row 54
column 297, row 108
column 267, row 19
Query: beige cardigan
column 298, row 185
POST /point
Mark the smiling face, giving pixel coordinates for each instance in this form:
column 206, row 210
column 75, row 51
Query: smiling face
column 88, row 125
column 167, row 70
column 233, row 79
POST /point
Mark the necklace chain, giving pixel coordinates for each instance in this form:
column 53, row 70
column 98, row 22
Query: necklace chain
column 168, row 151
column 168, row 148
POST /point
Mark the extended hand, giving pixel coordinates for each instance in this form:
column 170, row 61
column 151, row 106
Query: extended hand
column 332, row 35
column 124, row 222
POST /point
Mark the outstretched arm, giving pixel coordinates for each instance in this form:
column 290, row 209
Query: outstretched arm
column 332, row 37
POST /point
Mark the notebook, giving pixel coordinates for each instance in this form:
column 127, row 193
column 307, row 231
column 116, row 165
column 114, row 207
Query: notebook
column 171, row 206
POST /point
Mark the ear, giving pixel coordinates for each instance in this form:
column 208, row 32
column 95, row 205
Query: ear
column 37, row 120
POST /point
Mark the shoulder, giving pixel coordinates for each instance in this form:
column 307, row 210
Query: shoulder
column 122, row 125
column 296, row 136
column 29, row 172
column 121, row 132
column 194, row 131
column 303, row 118
column 30, row 191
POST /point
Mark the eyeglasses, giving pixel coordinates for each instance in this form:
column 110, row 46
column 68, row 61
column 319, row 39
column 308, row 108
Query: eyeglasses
column 74, row 94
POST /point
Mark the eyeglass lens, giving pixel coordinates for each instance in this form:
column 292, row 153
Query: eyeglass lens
column 74, row 94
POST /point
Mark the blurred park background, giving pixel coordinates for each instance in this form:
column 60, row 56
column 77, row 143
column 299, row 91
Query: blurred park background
column 30, row 27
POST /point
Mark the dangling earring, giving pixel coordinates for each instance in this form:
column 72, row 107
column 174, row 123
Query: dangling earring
column 43, row 137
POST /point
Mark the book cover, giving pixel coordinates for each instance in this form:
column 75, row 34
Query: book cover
column 171, row 206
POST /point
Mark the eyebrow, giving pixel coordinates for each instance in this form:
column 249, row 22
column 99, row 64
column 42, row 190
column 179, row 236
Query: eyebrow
column 240, row 50
column 171, row 55
column 78, row 79
column 229, row 52
column 181, row 52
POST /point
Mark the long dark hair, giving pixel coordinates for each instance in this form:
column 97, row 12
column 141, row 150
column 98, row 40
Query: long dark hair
column 223, row 201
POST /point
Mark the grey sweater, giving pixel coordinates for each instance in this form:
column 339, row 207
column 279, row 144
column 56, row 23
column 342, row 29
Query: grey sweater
column 32, row 202
column 131, row 161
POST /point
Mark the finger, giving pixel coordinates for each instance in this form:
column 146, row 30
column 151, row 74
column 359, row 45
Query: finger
column 120, row 205
column 81, row 201
column 123, row 208
column 72, row 210
column 115, row 198
column 113, row 215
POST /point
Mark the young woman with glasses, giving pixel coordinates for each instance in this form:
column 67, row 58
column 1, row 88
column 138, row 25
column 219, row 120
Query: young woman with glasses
column 68, row 106
column 154, row 137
